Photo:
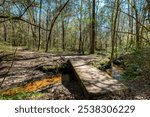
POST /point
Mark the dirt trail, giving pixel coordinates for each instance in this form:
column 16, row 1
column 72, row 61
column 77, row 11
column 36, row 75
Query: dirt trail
column 25, row 69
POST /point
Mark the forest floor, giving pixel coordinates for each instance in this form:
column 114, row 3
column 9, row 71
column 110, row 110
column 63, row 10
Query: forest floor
column 27, row 68
column 26, row 71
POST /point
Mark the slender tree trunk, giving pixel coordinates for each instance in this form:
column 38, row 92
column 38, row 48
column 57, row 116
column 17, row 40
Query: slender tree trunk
column 32, row 18
column 137, row 26
column 39, row 43
column 117, row 38
column 5, row 32
column 13, row 35
column 148, row 5
column 137, row 33
column 131, row 26
column 80, row 28
column 90, row 26
column 33, row 29
column 63, row 29
column 52, row 25
column 128, row 37
column 47, row 22
column 142, row 28
column 114, row 31
column 92, row 48
column 80, row 38
column 63, row 35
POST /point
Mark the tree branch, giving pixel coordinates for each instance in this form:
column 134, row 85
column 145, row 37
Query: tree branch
column 27, row 8
column 16, row 17
column 130, row 16
column 8, row 69
column 53, row 22
column 128, row 33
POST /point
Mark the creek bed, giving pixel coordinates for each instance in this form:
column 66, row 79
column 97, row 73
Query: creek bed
column 68, row 89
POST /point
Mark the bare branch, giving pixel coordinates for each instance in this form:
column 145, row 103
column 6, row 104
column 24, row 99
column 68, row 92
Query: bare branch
column 8, row 69
column 17, row 17
column 27, row 8
column 130, row 16
column 23, row 20
column 53, row 22
column 122, row 32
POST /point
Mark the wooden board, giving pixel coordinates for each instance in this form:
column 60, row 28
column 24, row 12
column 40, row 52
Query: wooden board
column 95, row 82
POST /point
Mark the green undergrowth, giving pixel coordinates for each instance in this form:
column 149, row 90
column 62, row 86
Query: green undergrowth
column 137, row 65
column 52, row 68
column 5, row 47
column 102, row 64
column 21, row 96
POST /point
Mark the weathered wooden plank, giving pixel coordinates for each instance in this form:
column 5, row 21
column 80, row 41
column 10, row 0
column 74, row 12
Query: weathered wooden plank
column 95, row 82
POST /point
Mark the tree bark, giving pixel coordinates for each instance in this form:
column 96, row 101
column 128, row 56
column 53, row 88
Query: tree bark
column 80, row 28
column 5, row 32
column 63, row 34
column 148, row 5
column 63, row 29
column 114, row 31
column 92, row 48
column 137, row 26
column 39, row 42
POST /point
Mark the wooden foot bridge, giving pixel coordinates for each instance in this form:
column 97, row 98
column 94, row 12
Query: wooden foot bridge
column 95, row 82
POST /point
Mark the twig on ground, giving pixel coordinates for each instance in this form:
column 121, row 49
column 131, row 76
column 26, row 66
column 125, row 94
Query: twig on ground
column 8, row 69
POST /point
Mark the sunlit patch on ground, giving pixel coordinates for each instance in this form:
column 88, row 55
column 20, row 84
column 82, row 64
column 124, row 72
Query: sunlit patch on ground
column 33, row 86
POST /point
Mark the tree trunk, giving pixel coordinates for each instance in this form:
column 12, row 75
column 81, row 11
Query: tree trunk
column 131, row 26
column 39, row 43
column 80, row 38
column 63, row 29
column 80, row 28
column 92, row 48
column 63, row 34
column 5, row 32
column 137, row 33
column 137, row 26
column 148, row 5
column 52, row 25
column 114, row 30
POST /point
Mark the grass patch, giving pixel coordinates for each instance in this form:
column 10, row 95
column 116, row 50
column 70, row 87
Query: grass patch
column 21, row 96
column 5, row 47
